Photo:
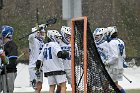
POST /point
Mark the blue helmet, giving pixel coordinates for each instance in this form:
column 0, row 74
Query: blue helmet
column 7, row 31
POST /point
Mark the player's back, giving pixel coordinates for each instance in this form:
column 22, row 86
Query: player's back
column 35, row 47
column 49, row 55
column 118, row 47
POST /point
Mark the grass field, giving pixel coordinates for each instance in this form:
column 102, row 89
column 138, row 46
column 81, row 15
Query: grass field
column 133, row 91
column 127, row 91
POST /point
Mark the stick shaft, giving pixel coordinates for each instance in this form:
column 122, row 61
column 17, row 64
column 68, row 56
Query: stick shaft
column 127, row 78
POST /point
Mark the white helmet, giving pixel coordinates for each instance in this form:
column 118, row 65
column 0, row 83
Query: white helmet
column 100, row 35
column 42, row 26
column 66, row 34
column 34, row 29
column 40, row 34
column 111, row 30
column 54, row 35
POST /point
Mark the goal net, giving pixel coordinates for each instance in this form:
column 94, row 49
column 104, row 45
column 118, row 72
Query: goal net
column 88, row 72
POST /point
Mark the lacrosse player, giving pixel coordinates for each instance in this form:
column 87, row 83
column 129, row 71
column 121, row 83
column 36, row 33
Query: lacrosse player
column 65, row 45
column 51, row 56
column 9, row 70
column 36, row 42
column 116, row 57
column 100, row 38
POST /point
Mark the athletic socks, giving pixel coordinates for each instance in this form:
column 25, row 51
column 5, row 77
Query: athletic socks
column 57, row 91
column 122, row 90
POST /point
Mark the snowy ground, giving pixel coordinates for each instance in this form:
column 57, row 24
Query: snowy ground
column 22, row 80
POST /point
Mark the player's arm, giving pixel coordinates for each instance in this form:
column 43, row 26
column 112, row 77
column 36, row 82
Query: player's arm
column 113, row 54
column 39, row 62
column 59, row 52
column 3, row 57
column 63, row 54
column 32, row 37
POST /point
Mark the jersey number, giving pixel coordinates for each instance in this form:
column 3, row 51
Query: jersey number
column 121, row 47
column 47, row 53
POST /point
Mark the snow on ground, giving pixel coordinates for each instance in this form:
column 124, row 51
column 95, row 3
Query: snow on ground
column 132, row 74
column 22, row 79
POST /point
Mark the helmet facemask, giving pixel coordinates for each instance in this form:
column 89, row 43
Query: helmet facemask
column 67, row 38
column 98, row 38
column 41, row 35
column 100, row 35
column 58, row 38
column 66, row 34
column 54, row 36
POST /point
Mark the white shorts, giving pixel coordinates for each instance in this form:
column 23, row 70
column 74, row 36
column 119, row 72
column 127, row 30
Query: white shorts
column 33, row 76
column 68, row 75
column 56, row 79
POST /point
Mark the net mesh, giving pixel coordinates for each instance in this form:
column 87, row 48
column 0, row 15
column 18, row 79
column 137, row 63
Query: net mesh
column 97, row 78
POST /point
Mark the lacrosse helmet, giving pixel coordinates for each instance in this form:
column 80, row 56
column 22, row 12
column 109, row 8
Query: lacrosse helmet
column 111, row 30
column 100, row 35
column 54, row 36
column 66, row 34
column 41, row 31
column 7, row 31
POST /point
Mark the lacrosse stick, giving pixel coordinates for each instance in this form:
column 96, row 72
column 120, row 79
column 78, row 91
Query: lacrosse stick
column 127, row 78
column 48, row 22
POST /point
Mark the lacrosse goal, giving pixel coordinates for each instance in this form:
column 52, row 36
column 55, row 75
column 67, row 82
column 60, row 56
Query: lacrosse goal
column 88, row 72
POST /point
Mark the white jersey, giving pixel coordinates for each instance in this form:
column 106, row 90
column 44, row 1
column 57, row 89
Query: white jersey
column 49, row 57
column 35, row 47
column 116, row 53
column 67, row 61
column 103, row 50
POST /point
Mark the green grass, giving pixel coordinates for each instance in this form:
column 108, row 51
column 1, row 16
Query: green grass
column 133, row 91
column 127, row 91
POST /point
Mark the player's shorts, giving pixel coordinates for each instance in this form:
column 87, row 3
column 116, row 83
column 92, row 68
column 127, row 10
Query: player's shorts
column 116, row 74
column 68, row 75
column 56, row 79
column 32, row 73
